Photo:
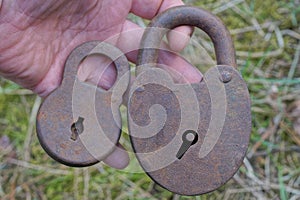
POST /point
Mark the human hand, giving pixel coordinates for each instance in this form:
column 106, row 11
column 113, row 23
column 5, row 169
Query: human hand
column 37, row 36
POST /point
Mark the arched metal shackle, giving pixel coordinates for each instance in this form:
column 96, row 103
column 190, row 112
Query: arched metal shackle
column 191, row 16
column 96, row 48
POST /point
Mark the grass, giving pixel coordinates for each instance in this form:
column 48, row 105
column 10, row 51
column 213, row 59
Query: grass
column 267, row 40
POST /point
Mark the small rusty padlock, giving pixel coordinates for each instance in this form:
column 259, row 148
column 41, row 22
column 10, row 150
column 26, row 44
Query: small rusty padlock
column 79, row 124
column 189, row 138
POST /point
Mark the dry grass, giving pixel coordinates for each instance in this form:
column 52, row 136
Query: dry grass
column 267, row 40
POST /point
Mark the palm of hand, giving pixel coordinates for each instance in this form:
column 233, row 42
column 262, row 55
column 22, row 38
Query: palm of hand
column 47, row 34
column 37, row 36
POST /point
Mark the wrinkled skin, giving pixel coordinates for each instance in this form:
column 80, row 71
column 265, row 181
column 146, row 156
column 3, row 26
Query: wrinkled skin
column 37, row 36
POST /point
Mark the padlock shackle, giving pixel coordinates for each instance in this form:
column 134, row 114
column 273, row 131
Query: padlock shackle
column 97, row 48
column 191, row 16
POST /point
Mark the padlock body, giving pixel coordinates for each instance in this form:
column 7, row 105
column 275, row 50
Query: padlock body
column 223, row 127
column 79, row 124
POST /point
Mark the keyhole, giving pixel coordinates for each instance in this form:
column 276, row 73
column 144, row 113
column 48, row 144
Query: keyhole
column 189, row 138
column 77, row 128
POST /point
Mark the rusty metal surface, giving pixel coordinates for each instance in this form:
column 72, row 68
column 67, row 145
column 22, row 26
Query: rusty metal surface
column 78, row 124
column 223, row 123
column 185, row 15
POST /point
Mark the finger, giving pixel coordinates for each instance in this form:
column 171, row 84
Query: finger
column 129, row 41
column 178, row 67
column 145, row 8
column 118, row 159
column 177, row 38
column 150, row 8
column 98, row 70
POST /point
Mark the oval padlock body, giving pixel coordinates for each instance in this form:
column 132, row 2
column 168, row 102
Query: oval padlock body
column 54, row 122
column 224, row 127
column 100, row 128
column 78, row 124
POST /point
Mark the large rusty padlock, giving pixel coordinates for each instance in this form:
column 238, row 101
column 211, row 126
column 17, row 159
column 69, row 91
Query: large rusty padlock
column 189, row 138
column 79, row 124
